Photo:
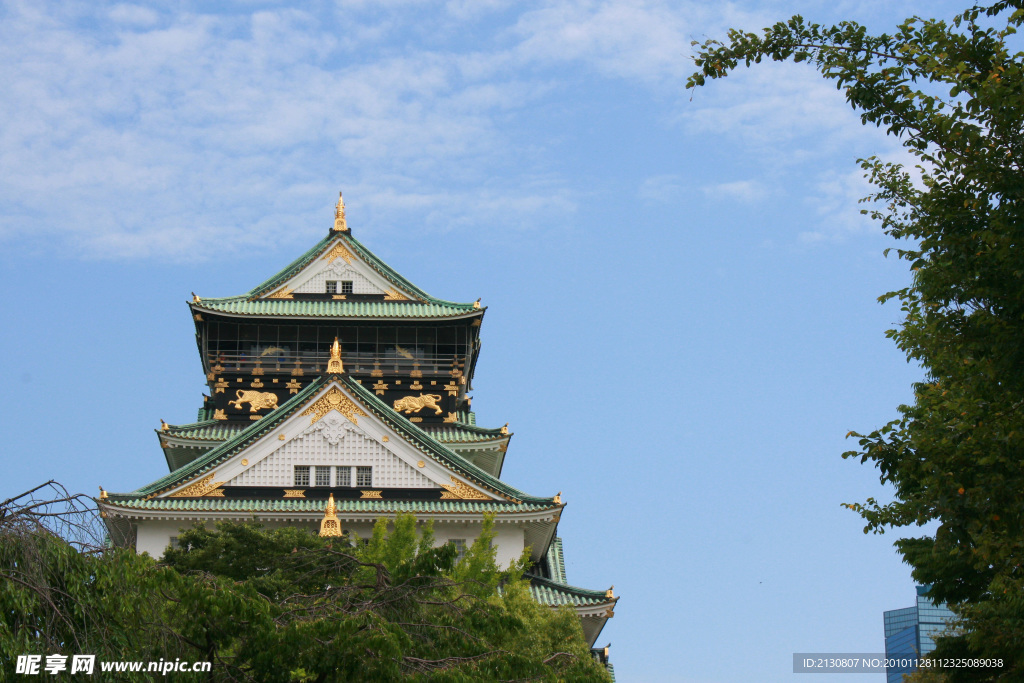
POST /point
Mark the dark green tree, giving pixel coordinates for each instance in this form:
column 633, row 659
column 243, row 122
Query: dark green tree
column 953, row 92
column 281, row 604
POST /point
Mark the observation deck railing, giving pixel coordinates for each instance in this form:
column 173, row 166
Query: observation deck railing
column 356, row 363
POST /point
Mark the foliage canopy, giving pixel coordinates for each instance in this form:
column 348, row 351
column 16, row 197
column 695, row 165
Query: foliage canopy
column 287, row 605
column 953, row 92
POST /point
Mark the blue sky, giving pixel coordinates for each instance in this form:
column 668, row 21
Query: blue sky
column 682, row 320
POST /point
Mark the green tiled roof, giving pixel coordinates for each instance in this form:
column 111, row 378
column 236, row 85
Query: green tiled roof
column 553, row 593
column 278, row 279
column 556, row 560
column 318, row 506
column 464, row 433
column 218, row 430
column 250, row 303
column 207, row 430
column 416, row 436
column 241, row 305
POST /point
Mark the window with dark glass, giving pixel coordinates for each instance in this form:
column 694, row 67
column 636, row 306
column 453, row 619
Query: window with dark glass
column 364, row 476
column 343, row 476
column 302, row 475
column 346, row 286
column 323, row 476
column 332, row 286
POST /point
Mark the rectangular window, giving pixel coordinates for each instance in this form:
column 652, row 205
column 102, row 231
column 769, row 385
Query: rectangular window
column 346, row 286
column 323, row 476
column 332, row 286
column 460, row 548
column 364, row 476
column 174, row 542
column 343, row 476
column 302, row 475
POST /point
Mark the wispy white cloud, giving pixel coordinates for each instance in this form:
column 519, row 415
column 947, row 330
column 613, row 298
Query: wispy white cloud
column 738, row 190
column 165, row 132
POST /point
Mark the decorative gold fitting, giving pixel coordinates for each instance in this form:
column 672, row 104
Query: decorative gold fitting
column 334, row 400
column 476, row 304
column 504, row 430
column 334, row 365
column 198, row 318
column 103, row 494
column 295, row 493
column 329, row 525
column 460, row 491
column 336, row 251
column 219, row 415
column 198, row 488
column 451, row 417
column 558, row 498
column 610, row 593
column 419, row 464
column 371, row 494
column 340, row 225
column 164, row 427
column 195, row 298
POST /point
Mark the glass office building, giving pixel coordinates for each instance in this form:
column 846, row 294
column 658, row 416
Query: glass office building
column 912, row 631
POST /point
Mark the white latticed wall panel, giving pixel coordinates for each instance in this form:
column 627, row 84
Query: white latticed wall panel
column 332, row 441
column 339, row 270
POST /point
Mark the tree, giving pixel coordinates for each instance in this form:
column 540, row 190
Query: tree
column 954, row 94
column 281, row 604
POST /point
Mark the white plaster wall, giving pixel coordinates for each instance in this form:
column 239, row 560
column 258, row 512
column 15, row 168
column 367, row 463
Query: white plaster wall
column 339, row 270
column 155, row 535
column 508, row 538
column 332, row 447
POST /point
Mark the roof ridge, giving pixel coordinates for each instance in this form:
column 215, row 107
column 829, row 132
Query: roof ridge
column 288, row 271
column 565, row 586
column 198, row 465
column 393, row 275
column 469, row 469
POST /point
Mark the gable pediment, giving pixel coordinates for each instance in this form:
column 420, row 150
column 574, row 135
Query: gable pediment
column 334, row 430
column 338, row 263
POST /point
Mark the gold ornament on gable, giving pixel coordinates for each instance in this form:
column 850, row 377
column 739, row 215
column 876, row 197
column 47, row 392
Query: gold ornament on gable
column 199, row 488
column 334, row 400
column 458, row 490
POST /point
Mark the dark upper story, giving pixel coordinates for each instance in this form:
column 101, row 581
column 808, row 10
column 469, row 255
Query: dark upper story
column 394, row 336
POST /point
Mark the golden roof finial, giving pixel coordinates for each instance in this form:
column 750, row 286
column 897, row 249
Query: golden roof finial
column 610, row 593
column 164, row 426
column 195, row 298
column 103, row 494
column 504, row 430
column 334, row 365
column 558, row 498
column 329, row 525
column 339, row 216
column 476, row 304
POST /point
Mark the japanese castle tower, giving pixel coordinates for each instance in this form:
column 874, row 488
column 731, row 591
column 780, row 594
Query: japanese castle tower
column 338, row 395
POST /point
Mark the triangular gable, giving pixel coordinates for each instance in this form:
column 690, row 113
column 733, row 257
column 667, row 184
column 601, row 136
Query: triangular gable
column 406, row 446
column 338, row 261
column 334, row 432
